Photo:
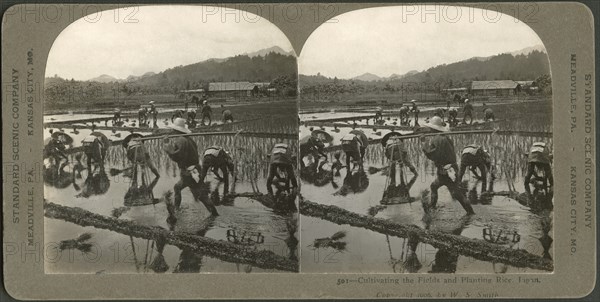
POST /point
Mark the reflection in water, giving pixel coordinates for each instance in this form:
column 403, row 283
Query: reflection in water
column 141, row 195
column 58, row 178
column 354, row 182
column 96, row 183
column 398, row 193
column 315, row 173
column 445, row 260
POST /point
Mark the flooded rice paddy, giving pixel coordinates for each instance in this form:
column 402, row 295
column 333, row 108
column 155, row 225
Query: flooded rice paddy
column 499, row 217
column 245, row 222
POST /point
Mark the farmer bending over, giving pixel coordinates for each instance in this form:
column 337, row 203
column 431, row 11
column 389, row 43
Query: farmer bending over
column 216, row 158
column 355, row 145
column 206, row 113
column 404, row 114
column 116, row 116
column 539, row 157
column 311, row 145
column 415, row 111
column 452, row 116
column 281, row 162
column 95, row 147
column 395, row 151
column 55, row 149
column 475, row 157
column 138, row 154
column 177, row 114
column 227, row 116
column 440, row 150
column 468, row 111
column 184, row 151
column 488, row 113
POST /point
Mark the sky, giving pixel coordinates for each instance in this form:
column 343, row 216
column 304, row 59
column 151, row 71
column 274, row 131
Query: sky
column 162, row 37
column 391, row 40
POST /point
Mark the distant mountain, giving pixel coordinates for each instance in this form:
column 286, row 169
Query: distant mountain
column 104, row 79
column 528, row 50
column 460, row 74
column 265, row 51
column 367, row 77
column 133, row 78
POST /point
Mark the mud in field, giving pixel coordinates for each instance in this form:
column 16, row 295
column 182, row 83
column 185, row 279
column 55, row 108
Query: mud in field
column 243, row 221
column 500, row 219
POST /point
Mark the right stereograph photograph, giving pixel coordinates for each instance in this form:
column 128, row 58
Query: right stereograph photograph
column 425, row 144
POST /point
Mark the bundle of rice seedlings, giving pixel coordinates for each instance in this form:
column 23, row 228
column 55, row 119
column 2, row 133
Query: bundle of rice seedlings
column 78, row 243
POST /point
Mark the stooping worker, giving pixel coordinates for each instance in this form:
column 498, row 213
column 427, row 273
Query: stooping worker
column 95, row 147
column 354, row 145
column 475, row 158
column 191, row 119
column 468, row 112
column 227, row 116
column 142, row 115
column 415, row 111
column 440, row 150
column 216, row 158
column 488, row 114
column 396, row 152
column 378, row 114
column 539, row 157
column 206, row 113
column 138, row 154
column 281, row 162
column 154, row 112
column 176, row 114
column 311, row 145
column 452, row 116
column 116, row 116
column 404, row 110
column 54, row 148
column 439, row 112
column 184, row 152
column 196, row 101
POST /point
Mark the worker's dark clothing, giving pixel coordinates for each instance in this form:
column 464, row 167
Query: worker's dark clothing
column 468, row 111
column 311, row 145
column 176, row 114
column 475, row 157
column 116, row 117
column 415, row 111
column 440, row 150
column 281, row 161
column 142, row 116
column 138, row 155
column 404, row 115
column 395, row 150
column 452, row 114
column 217, row 158
column 539, row 157
column 227, row 116
column 206, row 114
column 95, row 147
column 196, row 101
column 355, row 147
column 489, row 114
column 191, row 119
column 184, row 152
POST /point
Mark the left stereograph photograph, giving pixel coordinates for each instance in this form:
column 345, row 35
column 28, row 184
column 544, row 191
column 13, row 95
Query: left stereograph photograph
column 170, row 144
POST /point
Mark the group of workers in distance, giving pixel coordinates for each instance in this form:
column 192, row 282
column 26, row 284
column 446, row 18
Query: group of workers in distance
column 467, row 108
column 440, row 150
column 147, row 114
column 193, row 164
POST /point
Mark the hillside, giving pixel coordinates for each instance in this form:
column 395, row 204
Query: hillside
column 280, row 70
column 499, row 67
